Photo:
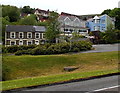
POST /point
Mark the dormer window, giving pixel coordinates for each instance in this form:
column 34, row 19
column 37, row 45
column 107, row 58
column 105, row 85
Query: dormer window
column 97, row 21
column 12, row 34
column 29, row 35
column 20, row 34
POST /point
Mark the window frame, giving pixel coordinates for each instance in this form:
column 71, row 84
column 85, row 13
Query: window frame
column 38, row 42
column 36, row 35
column 28, row 34
column 14, row 43
column 22, row 34
column 30, row 41
column 11, row 34
column 19, row 42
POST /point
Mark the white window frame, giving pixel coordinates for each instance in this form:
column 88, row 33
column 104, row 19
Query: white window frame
column 97, row 28
column 22, row 34
column 36, row 35
column 43, row 35
column 30, row 41
column 97, row 21
column 21, row 43
column 36, row 42
column 28, row 34
column 12, row 41
column 11, row 34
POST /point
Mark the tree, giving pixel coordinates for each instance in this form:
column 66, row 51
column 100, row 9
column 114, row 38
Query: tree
column 27, row 10
column 28, row 20
column 116, row 13
column 106, row 12
column 4, row 23
column 12, row 12
column 53, row 28
column 109, row 36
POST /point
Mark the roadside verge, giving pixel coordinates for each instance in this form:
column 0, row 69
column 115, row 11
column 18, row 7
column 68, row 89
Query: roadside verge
column 20, row 84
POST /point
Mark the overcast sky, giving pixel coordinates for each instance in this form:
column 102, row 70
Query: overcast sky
column 78, row 7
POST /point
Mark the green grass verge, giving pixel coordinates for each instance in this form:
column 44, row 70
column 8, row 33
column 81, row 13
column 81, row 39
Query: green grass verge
column 17, row 67
column 27, row 70
column 27, row 82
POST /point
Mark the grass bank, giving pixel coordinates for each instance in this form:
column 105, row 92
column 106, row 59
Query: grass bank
column 44, row 69
column 28, row 82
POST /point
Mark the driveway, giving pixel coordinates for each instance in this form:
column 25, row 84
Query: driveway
column 104, row 48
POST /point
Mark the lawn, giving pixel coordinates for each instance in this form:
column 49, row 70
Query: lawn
column 46, row 69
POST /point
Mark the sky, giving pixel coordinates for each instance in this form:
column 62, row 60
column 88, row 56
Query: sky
column 77, row 7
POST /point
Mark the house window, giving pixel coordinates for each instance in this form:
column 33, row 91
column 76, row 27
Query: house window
column 21, row 42
column 12, row 35
column 43, row 35
column 29, row 42
column 103, row 28
column 37, row 42
column 37, row 35
column 97, row 28
column 97, row 21
column 13, row 43
column 20, row 34
column 29, row 35
column 103, row 21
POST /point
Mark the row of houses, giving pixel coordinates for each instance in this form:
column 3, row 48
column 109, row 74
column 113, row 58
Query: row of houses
column 26, row 35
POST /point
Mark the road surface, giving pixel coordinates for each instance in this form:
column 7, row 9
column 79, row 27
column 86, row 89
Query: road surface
column 104, row 48
column 88, row 86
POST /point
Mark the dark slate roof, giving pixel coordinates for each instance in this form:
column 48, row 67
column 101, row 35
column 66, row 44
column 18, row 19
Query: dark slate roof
column 24, row 28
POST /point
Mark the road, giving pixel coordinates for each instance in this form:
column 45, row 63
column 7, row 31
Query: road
column 87, row 86
column 104, row 48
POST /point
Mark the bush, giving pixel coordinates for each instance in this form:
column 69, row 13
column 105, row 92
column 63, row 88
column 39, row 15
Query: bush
column 23, row 52
column 81, row 45
column 4, row 49
column 15, row 48
column 40, row 50
column 76, row 49
column 12, row 49
column 58, row 48
column 55, row 48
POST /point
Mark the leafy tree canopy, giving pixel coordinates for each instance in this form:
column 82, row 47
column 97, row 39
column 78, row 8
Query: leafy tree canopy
column 114, row 13
column 28, row 20
column 11, row 11
column 27, row 9
column 53, row 28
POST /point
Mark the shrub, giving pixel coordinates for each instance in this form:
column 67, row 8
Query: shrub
column 75, row 49
column 23, row 52
column 40, row 50
column 12, row 49
column 55, row 48
column 15, row 48
column 58, row 48
column 4, row 49
column 81, row 45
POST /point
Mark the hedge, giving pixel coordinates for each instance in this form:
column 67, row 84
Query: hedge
column 58, row 48
column 15, row 48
